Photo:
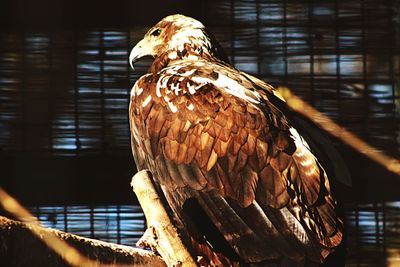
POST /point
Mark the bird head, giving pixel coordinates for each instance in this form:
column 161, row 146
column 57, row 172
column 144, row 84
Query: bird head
column 176, row 34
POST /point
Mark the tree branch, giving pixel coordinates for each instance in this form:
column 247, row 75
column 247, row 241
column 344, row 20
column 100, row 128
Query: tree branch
column 161, row 235
column 20, row 247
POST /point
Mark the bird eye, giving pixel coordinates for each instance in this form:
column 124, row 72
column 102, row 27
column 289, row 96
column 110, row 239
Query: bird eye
column 156, row 32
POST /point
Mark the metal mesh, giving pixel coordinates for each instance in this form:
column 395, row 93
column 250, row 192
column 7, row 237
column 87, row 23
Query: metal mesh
column 65, row 93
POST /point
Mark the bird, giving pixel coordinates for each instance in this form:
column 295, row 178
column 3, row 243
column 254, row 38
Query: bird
column 247, row 181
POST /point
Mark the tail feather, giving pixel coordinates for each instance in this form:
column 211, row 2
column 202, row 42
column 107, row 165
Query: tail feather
column 248, row 244
column 257, row 235
column 257, row 220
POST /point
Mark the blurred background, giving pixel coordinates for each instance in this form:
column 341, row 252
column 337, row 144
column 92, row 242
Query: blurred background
column 65, row 84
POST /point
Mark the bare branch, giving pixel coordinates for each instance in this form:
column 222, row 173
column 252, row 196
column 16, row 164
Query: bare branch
column 161, row 235
column 20, row 247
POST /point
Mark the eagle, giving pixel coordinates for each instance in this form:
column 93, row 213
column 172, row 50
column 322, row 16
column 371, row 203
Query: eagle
column 246, row 179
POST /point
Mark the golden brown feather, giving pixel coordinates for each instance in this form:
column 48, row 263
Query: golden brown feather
column 209, row 132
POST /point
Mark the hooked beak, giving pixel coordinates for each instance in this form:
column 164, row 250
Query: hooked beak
column 140, row 50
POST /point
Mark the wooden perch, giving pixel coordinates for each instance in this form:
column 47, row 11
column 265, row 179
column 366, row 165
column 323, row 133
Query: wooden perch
column 161, row 234
column 19, row 246
column 29, row 244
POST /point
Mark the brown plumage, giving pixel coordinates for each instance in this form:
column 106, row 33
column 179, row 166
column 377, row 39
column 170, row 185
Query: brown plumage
column 219, row 147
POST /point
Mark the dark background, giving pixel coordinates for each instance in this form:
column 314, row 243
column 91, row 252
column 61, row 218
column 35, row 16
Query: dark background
column 65, row 82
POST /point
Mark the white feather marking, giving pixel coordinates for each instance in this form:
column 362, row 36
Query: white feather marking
column 146, row 101
column 175, row 88
column 235, row 88
column 172, row 107
column 158, row 91
column 173, row 55
column 189, row 72
column 190, row 107
column 191, row 88
column 201, row 80
column 192, row 57
column 139, row 91
column 163, row 80
column 181, row 37
column 161, row 83
column 231, row 86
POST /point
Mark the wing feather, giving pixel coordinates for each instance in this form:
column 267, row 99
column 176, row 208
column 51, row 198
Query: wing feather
column 236, row 153
column 232, row 226
column 190, row 176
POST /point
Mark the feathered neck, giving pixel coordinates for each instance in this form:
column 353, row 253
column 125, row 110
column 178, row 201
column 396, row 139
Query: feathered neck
column 170, row 56
column 210, row 50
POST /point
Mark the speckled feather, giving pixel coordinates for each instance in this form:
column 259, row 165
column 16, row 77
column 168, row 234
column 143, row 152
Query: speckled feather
column 208, row 131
